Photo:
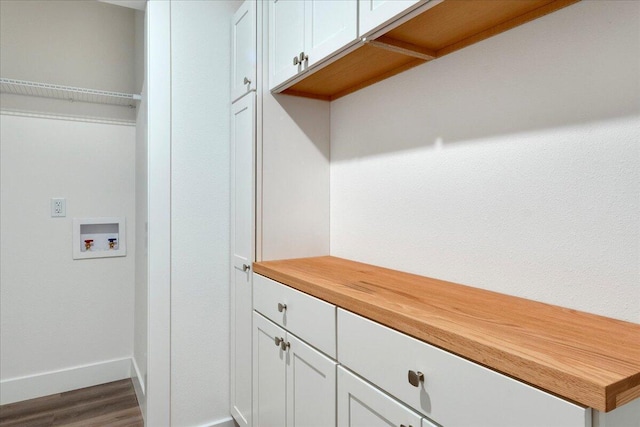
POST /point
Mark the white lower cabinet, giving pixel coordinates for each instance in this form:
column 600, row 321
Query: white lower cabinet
column 362, row 405
column 294, row 384
column 446, row 388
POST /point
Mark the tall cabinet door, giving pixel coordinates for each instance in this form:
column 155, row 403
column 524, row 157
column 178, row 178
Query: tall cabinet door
column 311, row 386
column 286, row 39
column 362, row 405
column 269, row 373
column 242, row 250
column 329, row 26
column 243, row 50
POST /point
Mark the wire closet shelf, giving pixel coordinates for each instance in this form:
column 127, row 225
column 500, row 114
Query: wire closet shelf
column 70, row 93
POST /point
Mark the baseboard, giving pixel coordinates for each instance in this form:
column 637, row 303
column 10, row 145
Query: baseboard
column 224, row 422
column 32, row 386
column 138, row 385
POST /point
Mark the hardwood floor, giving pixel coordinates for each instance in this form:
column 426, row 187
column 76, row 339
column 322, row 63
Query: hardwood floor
column 113, row 404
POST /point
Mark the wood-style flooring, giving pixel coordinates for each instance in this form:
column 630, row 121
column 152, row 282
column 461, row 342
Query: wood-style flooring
column 113, row 404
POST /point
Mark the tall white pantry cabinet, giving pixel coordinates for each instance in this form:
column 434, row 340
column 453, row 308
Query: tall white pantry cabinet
column 243, row 138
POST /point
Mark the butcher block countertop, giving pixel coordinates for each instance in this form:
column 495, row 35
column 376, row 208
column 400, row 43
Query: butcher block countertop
column 589, row 359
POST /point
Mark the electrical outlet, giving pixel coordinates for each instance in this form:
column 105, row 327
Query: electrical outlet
column 58, row 207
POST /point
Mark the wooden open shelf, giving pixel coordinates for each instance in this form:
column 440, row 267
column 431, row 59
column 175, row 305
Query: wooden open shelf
column 444, row 28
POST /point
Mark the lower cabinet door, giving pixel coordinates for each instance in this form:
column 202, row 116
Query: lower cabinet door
column 311, row 386
column 362, row 405
column 269, row 373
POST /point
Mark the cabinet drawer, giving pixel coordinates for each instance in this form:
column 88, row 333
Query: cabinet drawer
column 308, row 317
column 455, row 391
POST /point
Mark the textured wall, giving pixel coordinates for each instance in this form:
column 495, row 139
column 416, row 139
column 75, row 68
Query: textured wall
column 59, row 313
column 200, row 46
column 511, row 165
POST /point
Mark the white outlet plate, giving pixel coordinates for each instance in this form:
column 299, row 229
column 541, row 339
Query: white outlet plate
column 58, row 207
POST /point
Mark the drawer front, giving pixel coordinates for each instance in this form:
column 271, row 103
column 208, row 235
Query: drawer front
column 455, row 391
column 308, row 317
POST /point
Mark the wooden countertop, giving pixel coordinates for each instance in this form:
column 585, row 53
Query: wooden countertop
column 589, row 359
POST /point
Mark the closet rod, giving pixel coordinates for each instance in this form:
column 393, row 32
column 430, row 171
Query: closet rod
column 48, row 90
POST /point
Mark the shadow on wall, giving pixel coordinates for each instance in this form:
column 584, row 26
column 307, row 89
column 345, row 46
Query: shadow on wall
column 578, row 65
column 305, row 113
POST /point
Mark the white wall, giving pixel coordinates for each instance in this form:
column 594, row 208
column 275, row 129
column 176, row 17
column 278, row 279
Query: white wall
column 74, row 43
column 512, row 165
column 200, row 76
column 141, row 290
column 57, row 313
column 293, row 161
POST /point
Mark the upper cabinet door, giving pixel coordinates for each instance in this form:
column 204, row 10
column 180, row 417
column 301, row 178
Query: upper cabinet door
column 286, row 39
column 376, row 13
column 330, row 25
column 243, row 50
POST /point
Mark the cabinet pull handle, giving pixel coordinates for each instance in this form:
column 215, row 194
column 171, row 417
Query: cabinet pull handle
column 415, row 378
column 278, row 340
column 296, row 61
column 284, row 345
column 246, row 267
column 247, row 81
column 282, row 307
column 303, row 57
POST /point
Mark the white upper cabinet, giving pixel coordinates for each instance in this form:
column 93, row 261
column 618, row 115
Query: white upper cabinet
column 305, row 32
column 329, row 26
column 286, row 39
column 374, row 14
column 243, row 50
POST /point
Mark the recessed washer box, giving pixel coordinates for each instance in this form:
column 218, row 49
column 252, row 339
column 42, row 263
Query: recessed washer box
column 99, row 237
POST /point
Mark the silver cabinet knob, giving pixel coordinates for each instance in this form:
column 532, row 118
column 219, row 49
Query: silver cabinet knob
column 247, row 81
column 282, row 307
column 246, row 267
column 278, row 340
column 300, row 58
column 415, row 378
column 284, row 345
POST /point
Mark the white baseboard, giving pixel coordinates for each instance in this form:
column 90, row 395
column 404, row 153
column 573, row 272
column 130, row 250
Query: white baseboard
column 138, row 386
column 32, row 386
column 224, row 422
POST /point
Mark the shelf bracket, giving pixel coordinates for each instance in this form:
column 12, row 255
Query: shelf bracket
column 409, row 49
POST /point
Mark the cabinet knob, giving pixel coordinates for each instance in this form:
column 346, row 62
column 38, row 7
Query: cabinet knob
column 415, row 378
column 284, row 345
column 302, row 57
column 296, row 61
column 278, row 340
column 404, row 425
column 282, row 307
column 247, row 81
column 246, row 267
